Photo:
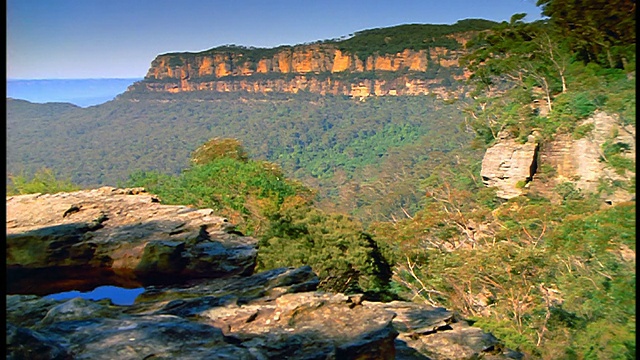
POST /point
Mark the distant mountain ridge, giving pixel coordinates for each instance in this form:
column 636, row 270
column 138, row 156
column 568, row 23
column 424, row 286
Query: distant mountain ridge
column 413, row 59
column 80, row 92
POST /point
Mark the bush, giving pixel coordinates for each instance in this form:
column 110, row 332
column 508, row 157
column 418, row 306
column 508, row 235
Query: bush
column 568, row 191
column 223, row 179
column 219, row 148
column 345, row 258
column 43, row 181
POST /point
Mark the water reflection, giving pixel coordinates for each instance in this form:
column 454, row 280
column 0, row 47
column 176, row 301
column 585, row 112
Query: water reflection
column 117, row 295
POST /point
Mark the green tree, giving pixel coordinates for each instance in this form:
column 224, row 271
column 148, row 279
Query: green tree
column 219, row 148
column 222, row 177
column 602, row 31
column 345, row 258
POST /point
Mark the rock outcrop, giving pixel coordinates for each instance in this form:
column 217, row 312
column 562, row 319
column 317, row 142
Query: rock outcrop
column 270, row 315
column 509, row 165
column 514, row 168
column 208, row 307
column 123, row 237
column 582, row 161
column 323, row 68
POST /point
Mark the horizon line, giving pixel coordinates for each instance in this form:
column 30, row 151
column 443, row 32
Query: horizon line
column 87, row 78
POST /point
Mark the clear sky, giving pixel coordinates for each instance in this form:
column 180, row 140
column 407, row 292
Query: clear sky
column 72, row 39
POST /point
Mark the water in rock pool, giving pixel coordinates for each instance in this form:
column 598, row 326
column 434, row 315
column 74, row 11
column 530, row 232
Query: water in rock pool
column 117, row 295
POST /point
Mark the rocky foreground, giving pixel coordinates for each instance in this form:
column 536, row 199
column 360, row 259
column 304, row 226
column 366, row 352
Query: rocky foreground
column 202, row 299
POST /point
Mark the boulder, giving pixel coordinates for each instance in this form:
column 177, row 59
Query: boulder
column 509, row 165
column 276, row 314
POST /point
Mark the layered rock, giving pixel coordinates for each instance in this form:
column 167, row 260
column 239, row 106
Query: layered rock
column 294, row 60
column 320, row 68
column 119, row 236
column 582, row 161
column 513, row 167
column 270, row 315
column 509, row 165
column 210, row 305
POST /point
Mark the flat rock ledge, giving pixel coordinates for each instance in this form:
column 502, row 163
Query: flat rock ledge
column 277, row 314
column 109, row 236
column 211, row 304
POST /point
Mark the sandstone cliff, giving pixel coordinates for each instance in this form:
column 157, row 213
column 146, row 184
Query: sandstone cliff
column 325, row 68
column 515, row 168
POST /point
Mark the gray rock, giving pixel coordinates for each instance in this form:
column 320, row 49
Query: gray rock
column 124, row 237
column 210, row 304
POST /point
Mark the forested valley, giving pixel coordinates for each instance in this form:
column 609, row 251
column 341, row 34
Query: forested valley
column 384, row 196
column 350, row 151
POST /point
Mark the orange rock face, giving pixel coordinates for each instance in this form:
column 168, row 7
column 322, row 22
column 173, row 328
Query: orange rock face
column 206, row 67
column 302, row 60
column 264, row 66
column 341, row 62
column 195, row 71
column 283, row 60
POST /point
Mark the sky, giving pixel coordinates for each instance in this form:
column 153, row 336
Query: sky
column 79, row 39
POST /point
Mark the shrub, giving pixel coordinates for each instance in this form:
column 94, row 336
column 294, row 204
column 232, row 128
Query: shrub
column 43, row 181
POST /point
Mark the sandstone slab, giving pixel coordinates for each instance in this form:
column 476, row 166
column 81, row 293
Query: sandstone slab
column 507, row 164
column 123, row 237
column 277, row 314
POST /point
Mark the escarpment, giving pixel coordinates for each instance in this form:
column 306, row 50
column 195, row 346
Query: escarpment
column 396, row 61
column 322, row 69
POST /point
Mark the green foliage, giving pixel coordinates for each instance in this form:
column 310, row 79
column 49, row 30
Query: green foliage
column 521, row 184
column 175, row 61
column 568, row 191
column 621, row 98
column 256, row 197
column 364, row 158
column 583, row 130
column 219, row 148
column 344, row 257
column 600, row 32
column 541, row 61
column 244, row 191
column 549, row 280
column 610, row 148
column 613, row 155
column 570, row 107
column 43, row 181
column 413, row 36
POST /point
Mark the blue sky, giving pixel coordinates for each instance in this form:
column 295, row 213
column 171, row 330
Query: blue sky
column 72, row 39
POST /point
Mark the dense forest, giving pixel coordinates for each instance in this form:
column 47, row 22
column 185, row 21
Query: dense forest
column 384, row 197
column 349, row 151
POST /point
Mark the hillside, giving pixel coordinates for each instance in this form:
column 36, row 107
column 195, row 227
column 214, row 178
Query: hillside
column 80, row 92
column 343, row 148
column 290, row 105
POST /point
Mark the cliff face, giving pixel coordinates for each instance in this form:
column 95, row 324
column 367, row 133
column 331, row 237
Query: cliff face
column 508, row 163
column 319, row 68
column 583, row 163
